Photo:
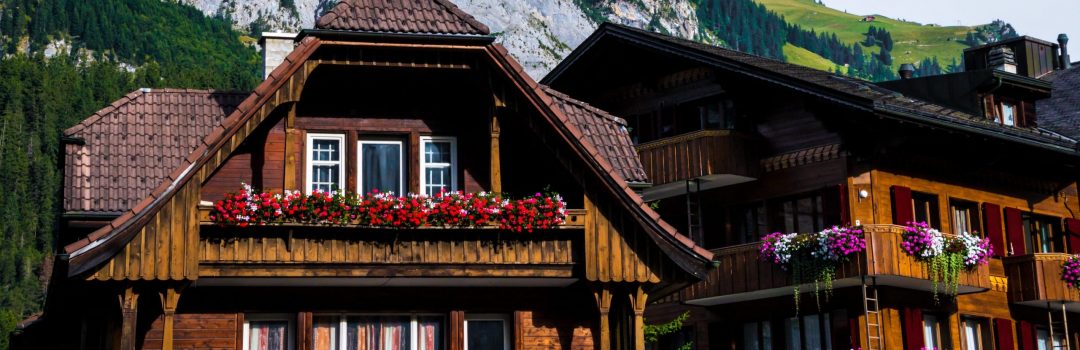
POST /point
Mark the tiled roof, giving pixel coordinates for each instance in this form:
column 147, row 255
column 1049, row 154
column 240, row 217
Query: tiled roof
column 401, row 16
column 134, row 144
column 1061, row 112
column 845, row 90
column 605, row 131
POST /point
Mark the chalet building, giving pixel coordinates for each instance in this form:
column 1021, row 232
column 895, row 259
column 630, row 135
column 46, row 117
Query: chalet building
column 738, row 146
column 408, row 97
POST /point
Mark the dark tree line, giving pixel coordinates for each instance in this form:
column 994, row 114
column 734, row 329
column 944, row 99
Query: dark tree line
column 745, row 26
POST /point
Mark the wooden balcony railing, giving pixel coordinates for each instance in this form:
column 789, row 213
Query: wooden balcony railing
column 741, row 275
column 1035, row 279
column 696, row 154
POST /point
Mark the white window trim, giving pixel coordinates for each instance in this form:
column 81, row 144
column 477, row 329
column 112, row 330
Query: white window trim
column 360, row 164
column 489, row 317
column 290, row 330
column 424, row 164
column 310, row 166
column 414, row 324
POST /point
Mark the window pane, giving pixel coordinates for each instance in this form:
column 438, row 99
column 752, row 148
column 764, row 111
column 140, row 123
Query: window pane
column 430, row 333
column 378, row 333
column 812, row 331
column 325, row 333
column 325, row 150
column 792, row 334
column 485, row 335
column 381, row 167
column 437, row 152
column 750, row 336
column 268, row 335
column 325, row 177
column 805, row 207
column 1008, row 114
column 930, row 332
column 766, row 335
column 436, row 179
column 1044, row 339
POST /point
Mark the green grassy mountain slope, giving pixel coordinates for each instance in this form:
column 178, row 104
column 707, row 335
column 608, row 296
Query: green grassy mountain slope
column 914, row 42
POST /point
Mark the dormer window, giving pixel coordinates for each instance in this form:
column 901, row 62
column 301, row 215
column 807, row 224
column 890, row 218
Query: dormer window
column 438, row 166
column 324, row 164
column 1008, row 113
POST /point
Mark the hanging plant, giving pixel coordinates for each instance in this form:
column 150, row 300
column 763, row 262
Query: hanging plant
column 812, row 257
column 945, row 258
column 1070, row 271
column 447, row 209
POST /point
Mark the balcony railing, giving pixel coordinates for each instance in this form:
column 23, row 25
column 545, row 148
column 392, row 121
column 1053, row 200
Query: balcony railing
column 696, row 154
column 1035, row 280
column 741, row 275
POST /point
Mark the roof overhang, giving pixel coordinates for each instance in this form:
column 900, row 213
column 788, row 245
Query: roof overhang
column 697, row 184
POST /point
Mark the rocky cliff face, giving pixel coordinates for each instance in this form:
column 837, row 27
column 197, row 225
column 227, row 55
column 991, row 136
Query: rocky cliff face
column 539, row 33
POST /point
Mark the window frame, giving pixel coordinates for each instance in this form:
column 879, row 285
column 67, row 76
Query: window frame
column 931, row 209
column 984, row 332
column 423, row 164
column 974, row 220
column 506, row 320
column 1031, row 222
column 342, row 322
column 360, row 163
column 941, row 330
column 1001, row 112
column 290, row 330
column 310, row 163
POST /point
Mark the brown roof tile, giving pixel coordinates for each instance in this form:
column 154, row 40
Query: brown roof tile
column 135, row 143
column 401, row 16
column 606, row 132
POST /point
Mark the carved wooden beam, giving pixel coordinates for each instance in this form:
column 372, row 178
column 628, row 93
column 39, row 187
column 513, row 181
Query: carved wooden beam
column 638, row 300
column 603, row 302
column 169, row 298
column 129, row 302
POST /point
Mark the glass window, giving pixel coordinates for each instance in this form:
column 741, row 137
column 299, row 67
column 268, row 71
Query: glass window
column 486, row 333
column 377, row 332
column 1042, row 234
column 381, row 166
column 808, row 332
column 324, row 162
column 267, row 333
column 1046, row 342
column 1008, row 113
column 935, row 333
column 757, row 336
column 926, row 209
column 438, row 165
column 976, row 333
column 965, row 216
column 802, row 213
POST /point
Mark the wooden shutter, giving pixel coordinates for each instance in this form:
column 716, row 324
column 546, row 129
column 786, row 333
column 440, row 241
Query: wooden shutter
column 1003, row 334
column 913, row 328
column 992, row 228
column 853, row 329
column 834, row 205
column 903, row 210
column 1072, row 226
column 1026, row 331
column 1014, row 229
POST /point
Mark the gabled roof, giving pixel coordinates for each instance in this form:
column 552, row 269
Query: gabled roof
column 98, row 246
column 401, row 16
column 605, row 131
column 134, row 144
column 855, row 93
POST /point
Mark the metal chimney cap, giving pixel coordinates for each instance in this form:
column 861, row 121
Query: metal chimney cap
column 1063, row 39
column 908, row 67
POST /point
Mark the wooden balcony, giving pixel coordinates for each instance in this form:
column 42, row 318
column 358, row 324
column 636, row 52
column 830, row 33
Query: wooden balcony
column 742, row 276
column 697, row 154
column 1035, row 280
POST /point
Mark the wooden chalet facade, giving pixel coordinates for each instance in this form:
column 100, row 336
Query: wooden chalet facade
column 365, row 101
column 738, row 146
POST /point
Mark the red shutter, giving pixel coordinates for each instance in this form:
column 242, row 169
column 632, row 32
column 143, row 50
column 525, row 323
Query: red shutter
column 834, row 203
column 1003, row 332
column 913, row 330
column 903, row 210
column 1014, row 229
column 1027, row 335
column 1072, row 226
column 853, row 324
column 992, row 226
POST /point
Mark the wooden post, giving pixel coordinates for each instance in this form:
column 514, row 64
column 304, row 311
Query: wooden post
column 496, row 164
column 292, row 137
column 638, row 299
column 603, row 302
column 457, row 330
column 129, row 302
column 169, row 298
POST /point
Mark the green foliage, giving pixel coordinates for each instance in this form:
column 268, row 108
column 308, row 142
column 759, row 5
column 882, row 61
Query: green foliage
column 945, row 269
column 653, row 332
column 806, row 269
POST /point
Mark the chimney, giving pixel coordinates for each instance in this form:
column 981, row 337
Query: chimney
column 1001, row 58
column 907, row 70
column 1063, row 40
column 275, row 46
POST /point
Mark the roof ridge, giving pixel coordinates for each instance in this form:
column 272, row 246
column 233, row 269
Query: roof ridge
column 101, row 113
column 387, row 16
column 582, row 104
column 464, row 16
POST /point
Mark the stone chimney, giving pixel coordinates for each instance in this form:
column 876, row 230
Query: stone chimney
column 1001, row 58
column 907, row 71
column 275, row 46
column 1063, row 41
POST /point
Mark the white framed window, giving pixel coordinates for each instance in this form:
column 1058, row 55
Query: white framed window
column 438, row 164
column 1008, row 114
column 325, row 168
column 381, row 166
column 377, row 331
column 487, row 332
column 268, row 332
